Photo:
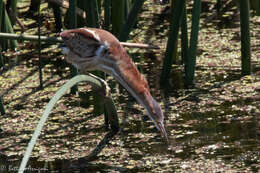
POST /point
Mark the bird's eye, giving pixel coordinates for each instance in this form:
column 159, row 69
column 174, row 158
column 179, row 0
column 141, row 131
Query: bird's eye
column 105, row 50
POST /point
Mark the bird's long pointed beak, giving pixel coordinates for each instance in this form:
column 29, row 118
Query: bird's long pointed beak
column 161, row 128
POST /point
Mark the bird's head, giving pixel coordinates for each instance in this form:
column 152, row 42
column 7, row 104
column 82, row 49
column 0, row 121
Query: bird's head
column 155, row 114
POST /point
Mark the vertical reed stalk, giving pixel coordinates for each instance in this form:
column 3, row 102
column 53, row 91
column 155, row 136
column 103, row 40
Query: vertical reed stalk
column 99, row 5
column 34, row 6
column 245, row 37
column 189, row 78
column 131, row 19
column 73, row 24
column 4, row 43
column 1, row 42
column 92, row 13
column 1, row 58
column 57, row 16
column 12, row 10
column 177, row 10
column 2, row 109
column 118, row 16
column 184, row 38
column 107, row 11
column 1, row 14
column 9, row 28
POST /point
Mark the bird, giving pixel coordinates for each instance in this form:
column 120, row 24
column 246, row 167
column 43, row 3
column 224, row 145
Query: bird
column 97, row 49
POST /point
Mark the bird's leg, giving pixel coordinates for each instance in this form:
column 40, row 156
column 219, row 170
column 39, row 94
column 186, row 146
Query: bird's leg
column 105, row 89
column 104, row 93
column 110, row 113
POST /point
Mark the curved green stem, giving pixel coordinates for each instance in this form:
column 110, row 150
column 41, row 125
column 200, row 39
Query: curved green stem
column 94, row 81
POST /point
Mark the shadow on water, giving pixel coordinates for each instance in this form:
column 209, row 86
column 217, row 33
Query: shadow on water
column 64, row 166
column 9, row 164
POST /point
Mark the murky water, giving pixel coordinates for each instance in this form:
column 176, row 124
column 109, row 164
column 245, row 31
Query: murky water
column 214, row 127
column 234, row 142
column 220, row 136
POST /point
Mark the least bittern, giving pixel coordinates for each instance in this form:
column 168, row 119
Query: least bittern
column 96, row 49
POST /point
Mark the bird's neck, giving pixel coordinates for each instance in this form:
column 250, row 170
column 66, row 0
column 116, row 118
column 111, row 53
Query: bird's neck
column 124, row 70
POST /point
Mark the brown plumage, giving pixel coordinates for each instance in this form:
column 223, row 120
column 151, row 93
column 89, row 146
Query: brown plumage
column 97, row 49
